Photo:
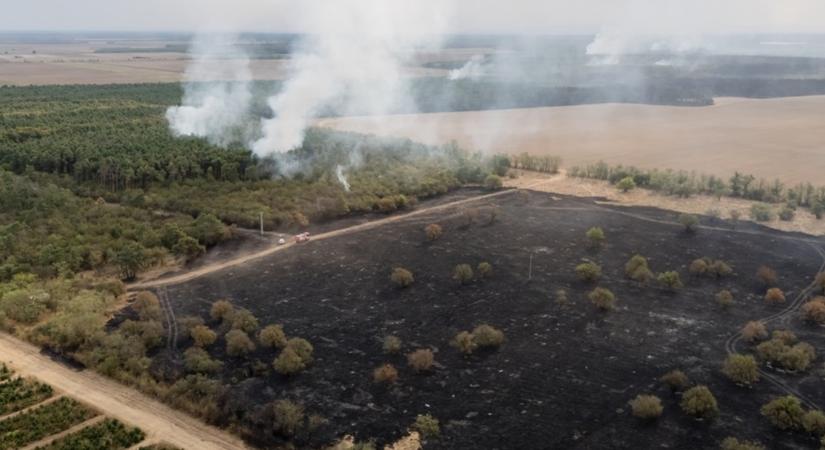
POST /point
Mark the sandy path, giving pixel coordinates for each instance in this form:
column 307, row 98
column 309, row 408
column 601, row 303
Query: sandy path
column 211, row 268
column 159, row 421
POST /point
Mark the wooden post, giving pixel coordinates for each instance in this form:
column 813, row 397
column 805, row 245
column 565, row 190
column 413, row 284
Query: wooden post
column 262, row 224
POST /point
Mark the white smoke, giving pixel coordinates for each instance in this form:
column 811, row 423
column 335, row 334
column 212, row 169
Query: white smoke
column 474, row 69
column 354, row 56
column 217, row 94
column 339, row 172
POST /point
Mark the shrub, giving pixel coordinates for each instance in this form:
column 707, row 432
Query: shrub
column 689, row 221
column 427, row 425
column 493, row 182
column 637, row 269
column 741, row 369
column 814, row 311
column 288, row 362
column 814, row 422
column 486, row 336
column 421, row 360
column 767, row 276
column 245, row 321
column 731, row 443
column 698, row 267
column 197, row 360
column 222, row 310
column 675, row 379
column 626, row 184
column 561, row 298
column 699, row 402
column 784, row 413
column 786, row 213
column 238, row 343
column 646, row 407
column 720, row 269
column 595, row 236
column 433, row 232
column 753, row 331
column 203, row 336
column 588, row 272
column 463, row 273
column 289, row 417
column 670, row 280
column 272, row 336
column 302, row 348
column 392, row 345
column 147, row 306
column 724, row 298
column 782, row 351
column 484, row 269
column 774, row 296
column 603, row 299
column 402, row 277
column 464, row 342
column 386, row 373
column 761, row 212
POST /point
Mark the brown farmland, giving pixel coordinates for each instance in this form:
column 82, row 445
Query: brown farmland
column 777, row 138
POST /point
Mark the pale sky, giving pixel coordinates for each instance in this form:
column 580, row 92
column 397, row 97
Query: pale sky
column 493, row 16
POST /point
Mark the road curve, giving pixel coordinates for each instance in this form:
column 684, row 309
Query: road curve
column 160, row 422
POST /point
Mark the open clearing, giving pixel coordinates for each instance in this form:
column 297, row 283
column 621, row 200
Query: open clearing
column 336, row 293
column 777, row 138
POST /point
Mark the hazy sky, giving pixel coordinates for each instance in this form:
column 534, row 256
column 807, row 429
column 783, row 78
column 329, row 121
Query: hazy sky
column 530, row 16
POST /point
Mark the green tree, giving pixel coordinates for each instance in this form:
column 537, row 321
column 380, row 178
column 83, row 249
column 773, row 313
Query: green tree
column 626, row 184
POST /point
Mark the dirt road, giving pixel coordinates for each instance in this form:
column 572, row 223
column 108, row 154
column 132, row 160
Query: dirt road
column 160, row 422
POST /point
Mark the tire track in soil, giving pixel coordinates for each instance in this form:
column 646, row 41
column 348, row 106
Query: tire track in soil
column 171, row 322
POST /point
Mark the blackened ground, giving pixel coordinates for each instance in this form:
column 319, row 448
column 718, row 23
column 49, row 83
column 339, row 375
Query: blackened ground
column 564, row 376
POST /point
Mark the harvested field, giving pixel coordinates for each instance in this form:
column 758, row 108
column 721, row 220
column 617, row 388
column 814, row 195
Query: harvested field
column 336, row 293
column 777, row 138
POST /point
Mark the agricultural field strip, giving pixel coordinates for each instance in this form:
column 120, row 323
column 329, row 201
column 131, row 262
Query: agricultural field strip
column 74, row 429
column 52, row 399
column 188, row 276
column 115, row 400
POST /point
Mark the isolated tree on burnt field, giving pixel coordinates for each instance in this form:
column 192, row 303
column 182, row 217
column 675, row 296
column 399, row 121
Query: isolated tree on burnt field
column 421, row 360
column 724, row 298
column 814, row 311
column 386, row 373
column 710, row 268
column 484, row 269
column 238, row 343
column 741, row 369
column 637, row 269
column 402, row 277
column 433, row 232
column 754, row 331
column 690, row 222
column 203, row 336
column 561, row 298
column 774, row 296
column 245, row 321
column 463, row 273
column 670, row 280
column 588, row 272
column 272, row 336
column 595, row 237
column 699, row 402
column 603, row 299
column 392, row 345
column 784, row 413
column 222, row 310
column 813, row 422
column 646, row 407
column 295, row 357
column 767, row 276
column 676, row 380
column 427, row 425
column 482, row 337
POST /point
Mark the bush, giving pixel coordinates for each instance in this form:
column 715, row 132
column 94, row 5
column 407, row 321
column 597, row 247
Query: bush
column 724, row 298
column 699, row 402
column 699, row 267
column 302, row 348
column 767, row 276
column 626, row 184
column 197, row 360
column 238, row 343
column 761, row 212
column 464, row 342
column 463, row 273
column 676, row 380
column 486, row 336
column 272, row 336
column 787, row 214
column 402, row 277
column 493, row 183
column 784, row 413
column 203, row 336
column 741, row 369
column 731, row 443
column 774, row 296
column 222, row 310
column 484, row 269
column 596, row 237
column 386, row 373
column 781, row 351
column 427, row 425
column 289, row 417
column 433, row 232
column 588, row 272
column 753, row 331
column 288, row 362
column 637, row 269
column 245, row 321
column 670, row 280
column 421, row 360
column 603, row 299
column 392, row 345
column 646, row 407
column 814, row 311
column 147, row 306
column 720, row 269
column 561, row 298
column 689, row 221
column 814, row 422
column 109, row 434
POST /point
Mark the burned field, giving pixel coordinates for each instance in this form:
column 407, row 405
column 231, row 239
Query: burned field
column 565, row 373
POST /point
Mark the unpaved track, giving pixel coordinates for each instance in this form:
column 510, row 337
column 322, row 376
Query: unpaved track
column 211, row 268
column 112, row 399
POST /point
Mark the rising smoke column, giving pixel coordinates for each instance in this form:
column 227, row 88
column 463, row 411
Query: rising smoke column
column 354, row 55
column 217, row 94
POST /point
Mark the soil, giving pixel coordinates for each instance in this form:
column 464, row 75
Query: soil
column 565, row 374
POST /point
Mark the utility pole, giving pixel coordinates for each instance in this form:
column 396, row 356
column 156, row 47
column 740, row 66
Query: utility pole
column 262, row 224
